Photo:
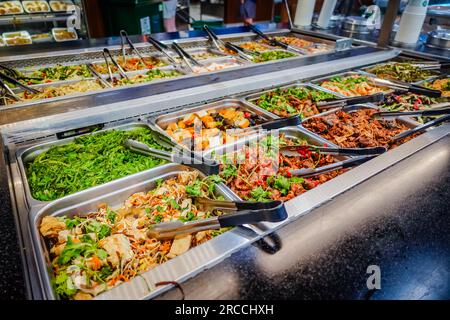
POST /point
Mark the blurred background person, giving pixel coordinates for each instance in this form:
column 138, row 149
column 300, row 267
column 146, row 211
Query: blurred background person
column 169, row 13
column 248, row 10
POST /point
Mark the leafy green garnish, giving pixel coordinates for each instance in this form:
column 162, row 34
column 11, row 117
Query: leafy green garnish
column 64, row 286
column 194, row 189
column 282, row 184
column 111, row 215
column 259, row 194
column 229, row 171
column 100, row 229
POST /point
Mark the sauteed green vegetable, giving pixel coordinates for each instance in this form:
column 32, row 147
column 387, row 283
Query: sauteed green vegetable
column 403, row 71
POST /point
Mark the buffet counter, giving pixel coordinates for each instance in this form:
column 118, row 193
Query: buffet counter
column 55, row 181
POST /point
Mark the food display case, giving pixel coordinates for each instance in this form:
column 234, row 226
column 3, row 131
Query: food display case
column 41, row 19
column 58, row 188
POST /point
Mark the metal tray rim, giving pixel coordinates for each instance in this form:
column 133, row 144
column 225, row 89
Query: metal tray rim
column 153, row 175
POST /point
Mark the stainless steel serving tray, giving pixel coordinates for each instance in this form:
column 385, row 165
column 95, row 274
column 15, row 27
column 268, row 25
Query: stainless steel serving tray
column 83, row 94
column 199, row 50
column 158, row 56
column 409, row 122
column 182, row 72
column 59, row 98
column 289, row 132
column 162, row 121
column 114, row 194
column 317, row 43
column 25, row 155
column 220, row 60
column 318, row 81
column 255, row 96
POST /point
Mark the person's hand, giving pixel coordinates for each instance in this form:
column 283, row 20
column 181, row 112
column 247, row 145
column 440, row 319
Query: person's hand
column 242, row 1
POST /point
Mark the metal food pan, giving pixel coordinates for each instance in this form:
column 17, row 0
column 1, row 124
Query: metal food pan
column 25, row 155
column 259, row 43
column 296, row 55
column 316, row 43
column 289, row 132
column 313, row 39
column 58, row 98
column 156, row 56
column 409, row 122
column 162, row 122
column 23, row 103
column 221, row 60
column 317, row 81
column 199, row 50
column 365, row 70
column 134, row 73
column 82, row 203
column 255, row 96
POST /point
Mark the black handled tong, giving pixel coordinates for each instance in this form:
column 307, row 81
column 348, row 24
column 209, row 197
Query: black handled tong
column 161, row 47
column 294, row 151
column 378, row 97
column 190, row 159
column 273, row 125
column 423, row 127
column 241, row 52
column 349, row 163
column 239, row 213
column 416, row 113
column 274, row 42
column 219, row 44
column 403, row 86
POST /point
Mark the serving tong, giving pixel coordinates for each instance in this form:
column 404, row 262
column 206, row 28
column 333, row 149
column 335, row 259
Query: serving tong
column 218, row 43
column 16, row 82
column 15, row 74
column 403, row 86
column 431, row 65
column 187, row 58
column 271, row 125
column 161, row 47
column 6, row 91
column 204, row 165
column 238, row 213
column 124, row 38
column 221, row 45
column 293, row 151
column 420, row 128
column 416, row 113
column 276, row 43
column 339, row 103
column 106, row 54
column 349, row 163
column 91, row 68
column 241, row 52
